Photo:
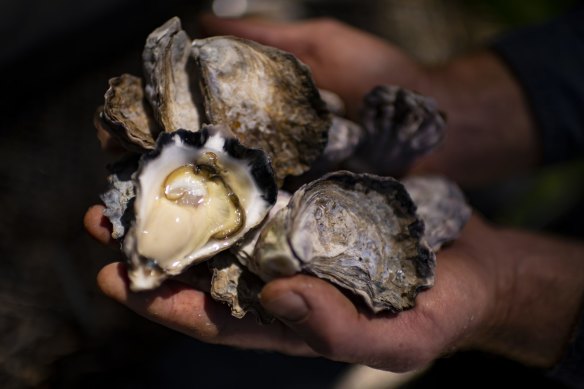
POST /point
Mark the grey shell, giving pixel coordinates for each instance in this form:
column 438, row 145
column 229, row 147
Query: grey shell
column 359, row 231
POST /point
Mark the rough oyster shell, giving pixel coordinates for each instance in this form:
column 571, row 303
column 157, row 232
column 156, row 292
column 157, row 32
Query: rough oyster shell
column 401, row 126
column 127, row 115
column 442, row 207
column 120, row 196
column 266, row 97
column 196, row 195
column 359, row 231
column 171, row 78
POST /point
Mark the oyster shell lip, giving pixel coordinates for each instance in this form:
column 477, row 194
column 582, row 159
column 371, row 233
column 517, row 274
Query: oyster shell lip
column 175, row 149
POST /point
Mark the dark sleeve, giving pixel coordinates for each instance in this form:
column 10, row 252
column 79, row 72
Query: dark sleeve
column 548, row 61
column 570, row 370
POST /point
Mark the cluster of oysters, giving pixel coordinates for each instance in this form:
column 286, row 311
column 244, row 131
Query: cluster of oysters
column 212, row 132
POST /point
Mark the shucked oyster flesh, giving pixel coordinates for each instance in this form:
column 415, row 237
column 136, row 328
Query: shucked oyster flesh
column 196, row 194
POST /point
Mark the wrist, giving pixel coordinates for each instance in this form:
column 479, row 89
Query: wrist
column 540, row 297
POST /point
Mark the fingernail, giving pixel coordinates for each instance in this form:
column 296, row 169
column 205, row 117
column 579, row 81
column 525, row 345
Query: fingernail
column 288, row 307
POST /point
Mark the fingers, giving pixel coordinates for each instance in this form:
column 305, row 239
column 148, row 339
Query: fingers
column 315, row 310
column 194, row 313
column 331, row 324
column 98, row 226
column 282, row 35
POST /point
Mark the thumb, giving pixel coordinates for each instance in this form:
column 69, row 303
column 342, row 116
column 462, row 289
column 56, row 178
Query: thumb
column 333, row 326
column 319, row 313
column 281, row 35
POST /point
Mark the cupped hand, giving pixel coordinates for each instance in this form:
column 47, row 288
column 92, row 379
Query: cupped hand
column 318, row 319
column 343, row 59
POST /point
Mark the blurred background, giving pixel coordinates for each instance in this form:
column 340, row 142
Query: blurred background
column 56, row 330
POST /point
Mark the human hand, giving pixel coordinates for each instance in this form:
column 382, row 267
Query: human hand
column 497, row 290
column 342, row 59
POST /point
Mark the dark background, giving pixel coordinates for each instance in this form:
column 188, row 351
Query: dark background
column 56, row 330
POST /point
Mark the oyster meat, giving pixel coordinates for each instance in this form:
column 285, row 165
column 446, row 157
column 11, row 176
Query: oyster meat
column 197, row 193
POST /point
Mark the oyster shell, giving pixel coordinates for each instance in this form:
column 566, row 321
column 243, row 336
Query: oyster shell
column 120, row 196
column 171, row 78
column 233, row 284
column 401, row 126
column 442, row 207
column 127, row 115
column 397, row 126
column 266, row 97
column 359, row 231
column 196, row 195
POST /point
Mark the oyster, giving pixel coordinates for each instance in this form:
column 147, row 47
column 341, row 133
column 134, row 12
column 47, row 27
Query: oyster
column 119, row 198
column 171, row 78
column 266, row 97
column 401, row 126
column 397, row 126
column 442, row 207
column 359, row 231
column 233, row 284
column 296, row 236
column 197, row 193
column 127, row 115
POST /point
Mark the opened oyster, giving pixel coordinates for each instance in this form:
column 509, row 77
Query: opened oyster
column 196, row 194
